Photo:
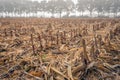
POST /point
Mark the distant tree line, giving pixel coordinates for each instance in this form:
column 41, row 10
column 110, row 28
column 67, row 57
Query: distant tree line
column 101, row 8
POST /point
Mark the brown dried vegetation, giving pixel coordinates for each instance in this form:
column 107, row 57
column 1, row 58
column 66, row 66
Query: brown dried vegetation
column 59, row 49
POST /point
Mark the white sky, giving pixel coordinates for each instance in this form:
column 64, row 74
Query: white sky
column 75, row 1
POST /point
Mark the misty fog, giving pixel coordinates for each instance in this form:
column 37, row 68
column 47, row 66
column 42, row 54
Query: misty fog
column 59, row 8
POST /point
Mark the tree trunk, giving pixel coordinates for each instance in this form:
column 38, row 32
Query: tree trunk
column 82, row 13
column 116, row 14
column 68, row 13
column 60, row 14
column 98, row 13
column 52, row 14
column 109, row 13
column 90, row 13
column 102, row 13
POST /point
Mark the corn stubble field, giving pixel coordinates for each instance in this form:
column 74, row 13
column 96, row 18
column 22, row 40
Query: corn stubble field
column 59, row 49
